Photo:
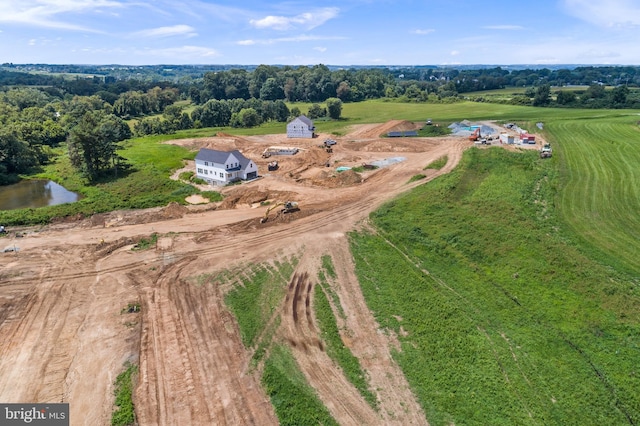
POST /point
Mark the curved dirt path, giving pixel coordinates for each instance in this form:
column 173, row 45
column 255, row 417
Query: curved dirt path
column 65, row 338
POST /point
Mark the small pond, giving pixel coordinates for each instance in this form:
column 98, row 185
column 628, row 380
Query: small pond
column 34, row 193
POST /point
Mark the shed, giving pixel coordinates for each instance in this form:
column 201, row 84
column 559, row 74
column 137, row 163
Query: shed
column 507, row 139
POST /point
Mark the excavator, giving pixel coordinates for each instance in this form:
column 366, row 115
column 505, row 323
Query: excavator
column 475, row 135
column 288, row 207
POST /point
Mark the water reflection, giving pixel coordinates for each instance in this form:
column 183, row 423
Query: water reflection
column 34, row 193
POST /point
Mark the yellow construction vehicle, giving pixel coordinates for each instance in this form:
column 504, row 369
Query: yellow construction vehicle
column 288, row 207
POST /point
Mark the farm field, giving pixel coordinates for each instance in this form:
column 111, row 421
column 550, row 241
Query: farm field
column 499, row 289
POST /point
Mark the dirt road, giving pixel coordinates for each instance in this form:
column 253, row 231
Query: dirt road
column 66, row 332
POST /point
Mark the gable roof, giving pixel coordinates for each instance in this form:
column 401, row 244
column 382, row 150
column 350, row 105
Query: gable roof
column 220, row 157
column 306, row 120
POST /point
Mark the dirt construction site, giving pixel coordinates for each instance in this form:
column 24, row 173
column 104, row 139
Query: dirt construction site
column 66, row 332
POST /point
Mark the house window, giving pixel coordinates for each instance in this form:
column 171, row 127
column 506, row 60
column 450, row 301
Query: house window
column 206, row 163
column 206, row 172
column 200, row 171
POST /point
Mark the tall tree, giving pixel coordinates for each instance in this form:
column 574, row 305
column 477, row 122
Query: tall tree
column 334, row 108
column 542, row 96
column 93, row 141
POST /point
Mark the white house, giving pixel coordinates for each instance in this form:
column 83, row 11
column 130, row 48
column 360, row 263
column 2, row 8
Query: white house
column 300, row 127
column 220, row 167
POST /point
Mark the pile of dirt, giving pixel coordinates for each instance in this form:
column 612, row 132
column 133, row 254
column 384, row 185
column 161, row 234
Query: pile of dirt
column 337, row 180
column 389, row 126
column 250, row 196
column 174, row 211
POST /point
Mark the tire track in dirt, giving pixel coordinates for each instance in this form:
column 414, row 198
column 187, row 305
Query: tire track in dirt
column 341, row 398
column 398, row 405
column 188, row 357
column 192, row 362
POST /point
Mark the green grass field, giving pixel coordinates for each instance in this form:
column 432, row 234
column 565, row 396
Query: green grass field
column 510, row 319
column 599, row 160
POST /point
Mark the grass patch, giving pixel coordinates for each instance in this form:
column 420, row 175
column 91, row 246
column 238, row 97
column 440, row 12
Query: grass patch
column 256, row 297
column 186, row 176
column 438, row 163
column 294, row 401
column 435, row 130
column 124, row 415
column 146, row 243
column 213, row 196
column 336, row 348
column 417, row 177
column 515, row 323
column 327, row 265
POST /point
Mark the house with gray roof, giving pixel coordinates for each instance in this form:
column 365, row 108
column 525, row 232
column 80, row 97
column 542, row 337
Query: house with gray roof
column 222, row 167
column 301, row 127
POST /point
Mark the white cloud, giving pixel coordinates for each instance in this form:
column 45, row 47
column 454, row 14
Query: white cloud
column 503, row 27
column 296, row 39
column 455, row 52
column 44, row 13
column 320, row 49
column 308, row 20
column 605, row 13
column 176, row 30
column 183, row 52
column 423, row 32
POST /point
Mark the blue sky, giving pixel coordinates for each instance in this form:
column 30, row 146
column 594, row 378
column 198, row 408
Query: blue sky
column 345, row 32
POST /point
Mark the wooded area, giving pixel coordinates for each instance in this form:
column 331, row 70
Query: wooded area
column 44, row 106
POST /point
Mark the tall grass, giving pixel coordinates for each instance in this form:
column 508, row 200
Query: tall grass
column 294, row 401
column 507, row 318
column 330, row 334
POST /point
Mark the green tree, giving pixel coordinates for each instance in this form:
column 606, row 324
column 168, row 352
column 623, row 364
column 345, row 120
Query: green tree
column 317, row 111
column 334, row 108
column 565, row 97
column 542, row 96
column 93, row 141
column 271, row 90
column 619, row 96
column 15, row 156
column 295, row 112
column 247, row 117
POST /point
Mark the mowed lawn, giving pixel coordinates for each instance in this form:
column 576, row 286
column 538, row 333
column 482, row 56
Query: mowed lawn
column 599, row 160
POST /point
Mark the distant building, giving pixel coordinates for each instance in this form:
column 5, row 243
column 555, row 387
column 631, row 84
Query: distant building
column 300, row 127
column 221, row 167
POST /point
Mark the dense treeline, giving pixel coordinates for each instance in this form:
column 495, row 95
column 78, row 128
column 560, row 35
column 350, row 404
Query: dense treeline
column 40, row 110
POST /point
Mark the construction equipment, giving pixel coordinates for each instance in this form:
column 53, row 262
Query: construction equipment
column 266, row 153
column 475, row 135
column 272, row 166
column 545, row 151
column 288, row 207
